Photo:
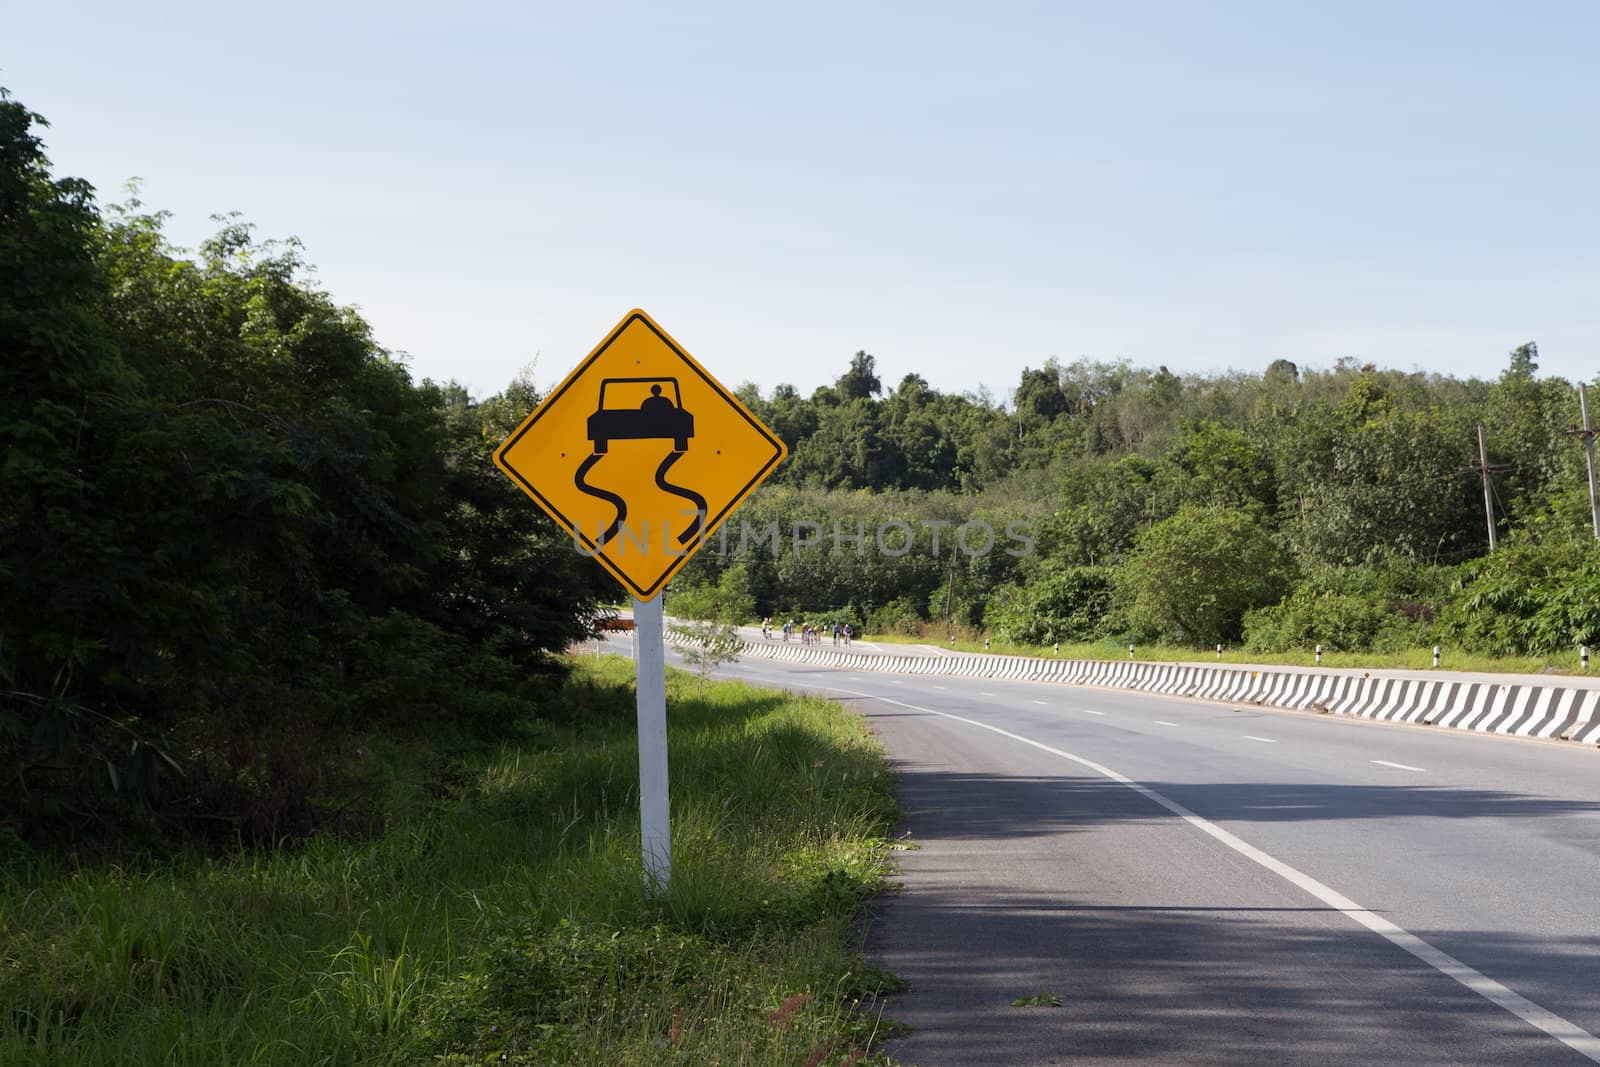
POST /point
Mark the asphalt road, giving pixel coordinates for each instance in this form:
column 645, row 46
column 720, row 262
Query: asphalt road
column 1199, row 885
column 1166, row 946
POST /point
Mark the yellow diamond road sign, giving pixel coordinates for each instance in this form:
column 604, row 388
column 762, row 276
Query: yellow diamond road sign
column 640, row 454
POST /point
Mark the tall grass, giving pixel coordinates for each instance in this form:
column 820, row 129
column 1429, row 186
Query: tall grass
column 510, row 919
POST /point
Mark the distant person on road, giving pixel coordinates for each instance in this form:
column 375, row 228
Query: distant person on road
column 847, row 635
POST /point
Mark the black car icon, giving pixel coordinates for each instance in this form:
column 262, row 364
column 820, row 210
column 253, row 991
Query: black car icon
column 657, row 417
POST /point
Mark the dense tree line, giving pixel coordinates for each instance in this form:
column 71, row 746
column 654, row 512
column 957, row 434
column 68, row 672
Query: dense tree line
column 231, row 526
column 1280, row 509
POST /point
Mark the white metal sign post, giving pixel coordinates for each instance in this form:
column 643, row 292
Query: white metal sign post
column 640, row 454
column 651, row 686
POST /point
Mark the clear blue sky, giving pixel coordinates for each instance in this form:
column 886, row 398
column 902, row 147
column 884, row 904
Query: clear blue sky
column 962, row 190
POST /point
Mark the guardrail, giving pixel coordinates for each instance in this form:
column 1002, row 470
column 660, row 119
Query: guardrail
column 1568, row 710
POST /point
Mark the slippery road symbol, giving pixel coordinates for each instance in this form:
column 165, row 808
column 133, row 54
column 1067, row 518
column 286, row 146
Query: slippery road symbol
column 658, row 417
column 641, row 399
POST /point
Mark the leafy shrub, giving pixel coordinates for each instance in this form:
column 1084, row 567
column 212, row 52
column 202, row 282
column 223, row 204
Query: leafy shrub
column 1529, row 597
column 899, row 616
column 1067, row 604
column 408, row 673
column 1192, row 577
column 1335, row 621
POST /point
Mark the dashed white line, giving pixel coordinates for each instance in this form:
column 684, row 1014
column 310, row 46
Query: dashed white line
column 1091, row 711
column 1164, row 722
column 1263, row 740
column 1568, row 1033
column 1040, row 702
column 986, row 694
column 941, row 687
column 1396, row 766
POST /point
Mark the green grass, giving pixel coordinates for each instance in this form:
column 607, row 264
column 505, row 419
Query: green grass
column 1411, row 659
column 508, row 920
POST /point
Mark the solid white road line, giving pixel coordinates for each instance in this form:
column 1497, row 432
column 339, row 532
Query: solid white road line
column 1090, row 711
column 1263, row 740
column 1164, row 722
column 1396, row 766
column 1568, row 1033
column 1040, row 702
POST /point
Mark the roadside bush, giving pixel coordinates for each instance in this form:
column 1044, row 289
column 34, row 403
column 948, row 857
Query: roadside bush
column 1068, row 604
column 1338, row 622
column 411, row 675
column 899, row 616
column 1528, row 597
column 1192, row 577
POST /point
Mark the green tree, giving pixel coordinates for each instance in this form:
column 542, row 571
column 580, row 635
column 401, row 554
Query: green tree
column 1039, row 392
column 860, row 382
column 1377, row 475
column 67, row 402
column 1191, row 577
column 727, row 600
column 228, row 517
column 705, row 646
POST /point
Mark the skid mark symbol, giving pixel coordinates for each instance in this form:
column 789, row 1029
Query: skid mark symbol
column 613, row 499
column 690, row 495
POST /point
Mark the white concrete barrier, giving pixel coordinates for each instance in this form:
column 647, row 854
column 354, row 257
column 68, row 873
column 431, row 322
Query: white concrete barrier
column 1567, row 708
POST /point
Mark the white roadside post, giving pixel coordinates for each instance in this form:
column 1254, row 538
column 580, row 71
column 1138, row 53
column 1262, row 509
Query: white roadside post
column 655, row 825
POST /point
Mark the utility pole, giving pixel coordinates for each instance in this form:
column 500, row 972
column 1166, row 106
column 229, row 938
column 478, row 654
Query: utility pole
column 1587, row 435
column 949, row 591
column 1488, row 492
column 1484, row 468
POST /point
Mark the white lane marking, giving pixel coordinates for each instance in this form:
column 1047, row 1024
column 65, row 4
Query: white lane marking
column 1396, row 766
column 986, row 694
column 896, row 681
column 1568, row 1033
column 1091, row 711
column 941, row 687
column 1164, row 722
column 1040, row 702
column 1263, row 740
